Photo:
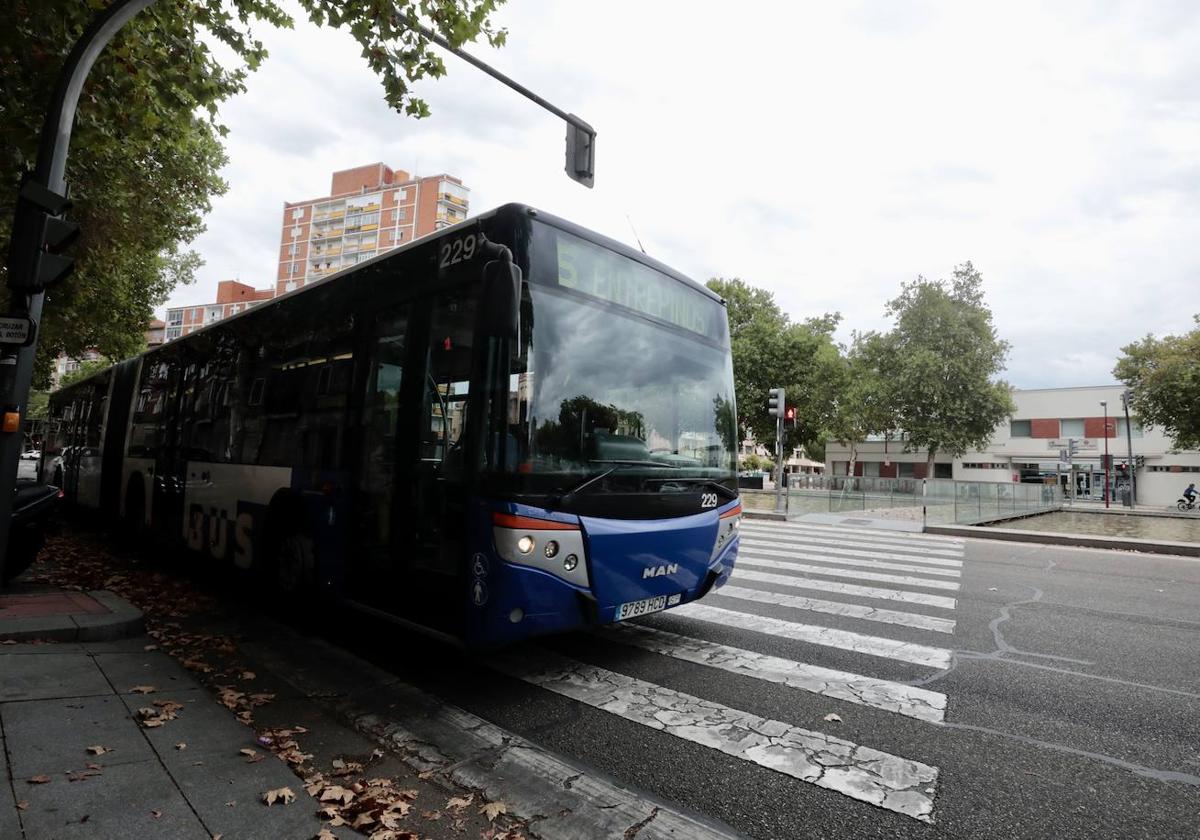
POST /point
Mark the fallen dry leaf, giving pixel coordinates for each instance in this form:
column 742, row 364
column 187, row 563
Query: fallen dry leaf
column 22, row 804
column 182, row 745
column 834, row 716
column 156, row 814
column 460, row 802
column 283, row 794
column 334, row 793
column 98, row 750
column 325, row 834
column 247, row 675
column 493, row 810
column 248, row 752
column 91, row 765
column 150, row 647
column 432, row 816
column 39, row 779
column 143, row 689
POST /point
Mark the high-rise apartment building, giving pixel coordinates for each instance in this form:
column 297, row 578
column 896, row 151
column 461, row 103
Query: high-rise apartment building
column 370, row 209
column 232, row 297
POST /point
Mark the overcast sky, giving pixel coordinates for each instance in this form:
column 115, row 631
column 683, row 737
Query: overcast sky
column 825, row 151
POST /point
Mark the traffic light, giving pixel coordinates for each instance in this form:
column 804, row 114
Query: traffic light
column 790, row 415
column 1072, row 448
column 39, row 235
column 1139, row 461
column 775, row 402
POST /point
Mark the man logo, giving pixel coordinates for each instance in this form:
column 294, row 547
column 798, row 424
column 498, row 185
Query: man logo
column 660, row 571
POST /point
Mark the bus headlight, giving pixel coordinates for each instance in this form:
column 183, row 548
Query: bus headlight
column 551, row 549
column 553, row 545
column 525, row 544
column 570, row 562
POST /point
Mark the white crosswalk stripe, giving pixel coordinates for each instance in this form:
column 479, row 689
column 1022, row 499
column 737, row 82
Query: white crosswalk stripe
column 932, row 657
column 912, row 542
column 873, row 552
column 906, row 619
column 907, row 700
column 880, row 593
column 787, row 559
column 768, row 549
column 889, row 781
column 755, row 559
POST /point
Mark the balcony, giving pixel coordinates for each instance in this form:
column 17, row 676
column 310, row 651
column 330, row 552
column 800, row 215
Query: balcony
column 455, row 200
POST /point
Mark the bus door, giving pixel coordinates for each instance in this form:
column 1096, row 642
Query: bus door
column 169, row 460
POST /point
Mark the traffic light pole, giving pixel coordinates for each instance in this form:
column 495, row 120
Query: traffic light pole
column 26, row 298
column 779, row 465
column 1129, row 445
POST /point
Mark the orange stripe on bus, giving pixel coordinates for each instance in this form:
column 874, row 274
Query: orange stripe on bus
column 508, row 520
column 732, row 512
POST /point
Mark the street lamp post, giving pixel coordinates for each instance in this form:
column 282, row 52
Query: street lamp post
column 1104, row 405
column 1125, row 395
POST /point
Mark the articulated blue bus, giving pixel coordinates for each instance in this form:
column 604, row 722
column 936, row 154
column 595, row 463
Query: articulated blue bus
column 512, row 427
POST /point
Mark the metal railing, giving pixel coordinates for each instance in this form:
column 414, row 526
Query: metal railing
column 929, row 501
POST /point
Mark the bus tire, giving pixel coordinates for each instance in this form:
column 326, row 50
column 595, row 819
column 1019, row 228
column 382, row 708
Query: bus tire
column 290, row 553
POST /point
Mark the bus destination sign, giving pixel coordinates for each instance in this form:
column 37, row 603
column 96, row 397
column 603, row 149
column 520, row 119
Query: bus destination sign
column 607, row 275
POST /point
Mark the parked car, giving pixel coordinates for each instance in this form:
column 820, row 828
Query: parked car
column 33, row 507
column 31, row 455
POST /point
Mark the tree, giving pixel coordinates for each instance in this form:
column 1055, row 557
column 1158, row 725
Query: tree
column 939, row 364
column 769, row 351
column 1164, row 377
column 85, row 369
column 862, row 404
column 146, row 152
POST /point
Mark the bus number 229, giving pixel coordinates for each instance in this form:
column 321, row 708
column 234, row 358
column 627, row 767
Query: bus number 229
column 457, row 251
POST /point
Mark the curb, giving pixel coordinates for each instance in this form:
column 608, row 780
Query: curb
column 1178, row 549
column 122, row 621
column 764, row 514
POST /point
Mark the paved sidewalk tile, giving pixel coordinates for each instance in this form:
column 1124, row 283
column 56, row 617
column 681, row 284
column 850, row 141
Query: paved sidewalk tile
column 203, row 724
column 118, row 805
column 50, row 675
column 52, row 736
column 142, row 668
column 9, row 824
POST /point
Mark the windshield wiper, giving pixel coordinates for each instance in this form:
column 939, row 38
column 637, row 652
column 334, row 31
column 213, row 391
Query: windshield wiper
column 711, row 484
column 617, row 463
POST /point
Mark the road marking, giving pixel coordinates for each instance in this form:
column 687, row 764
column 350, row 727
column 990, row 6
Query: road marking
column 907, row 700
column 932, row 657
column 759, row 547
column 897, row 784
column 915, row 542
column 854, row 549
column 752, row 559
column 880, row 593
column 907, row 619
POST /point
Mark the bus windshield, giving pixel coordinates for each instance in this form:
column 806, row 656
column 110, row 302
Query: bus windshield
column 623, row 382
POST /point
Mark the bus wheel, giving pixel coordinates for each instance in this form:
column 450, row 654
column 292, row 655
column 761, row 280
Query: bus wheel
column 294, row 564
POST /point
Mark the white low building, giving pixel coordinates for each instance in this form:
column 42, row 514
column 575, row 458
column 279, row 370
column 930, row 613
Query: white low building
column 1034, row 445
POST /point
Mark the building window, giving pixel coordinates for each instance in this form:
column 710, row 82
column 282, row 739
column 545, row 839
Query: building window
column 1135, row 428
column 289, row 286
column 401, row 214
column 904, row 469
column 1020, row 429
column 298, row 214
column 1071, row 428
column 174, row 317
column 173, row 332
column 943, row 470
column 296, row 232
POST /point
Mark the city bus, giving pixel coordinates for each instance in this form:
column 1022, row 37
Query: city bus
column 509, row 428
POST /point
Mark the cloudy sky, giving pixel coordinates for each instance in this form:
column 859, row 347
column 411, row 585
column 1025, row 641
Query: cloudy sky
column 825, row 151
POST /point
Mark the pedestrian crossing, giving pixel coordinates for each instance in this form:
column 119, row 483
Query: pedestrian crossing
column 809, row 591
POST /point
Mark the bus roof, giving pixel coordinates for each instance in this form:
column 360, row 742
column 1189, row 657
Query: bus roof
column 513, row 209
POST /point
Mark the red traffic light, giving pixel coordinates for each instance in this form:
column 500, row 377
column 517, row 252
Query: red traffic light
column 791, row 414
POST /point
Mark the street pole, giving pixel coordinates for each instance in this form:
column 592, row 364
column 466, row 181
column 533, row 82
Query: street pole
column 1129, row 446
column 16, row 363
column 779, row 464
column 1104, row 404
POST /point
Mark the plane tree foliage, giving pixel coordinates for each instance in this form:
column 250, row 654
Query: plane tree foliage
column 1163, row 375
column 861, row 405
column 772, row 351
column 939, row 364
column 146, row 155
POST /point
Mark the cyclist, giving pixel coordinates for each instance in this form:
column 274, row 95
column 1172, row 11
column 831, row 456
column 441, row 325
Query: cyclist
column 1190, row 494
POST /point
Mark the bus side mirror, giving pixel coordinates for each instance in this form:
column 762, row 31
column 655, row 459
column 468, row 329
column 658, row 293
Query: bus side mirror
column 502, row 299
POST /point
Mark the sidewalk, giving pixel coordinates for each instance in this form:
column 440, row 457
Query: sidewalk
column 175, row 734
column 110, row 739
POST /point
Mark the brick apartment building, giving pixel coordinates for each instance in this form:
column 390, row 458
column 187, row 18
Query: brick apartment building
column 370, row 209
column 232, row 298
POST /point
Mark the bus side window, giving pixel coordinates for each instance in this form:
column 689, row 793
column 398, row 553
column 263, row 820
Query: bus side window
column 448, row 381
column 379, row 425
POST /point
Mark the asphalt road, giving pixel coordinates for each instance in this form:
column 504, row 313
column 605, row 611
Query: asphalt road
column 979, row 689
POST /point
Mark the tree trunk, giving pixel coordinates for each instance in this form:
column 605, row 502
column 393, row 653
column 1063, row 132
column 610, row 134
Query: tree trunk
column 853, row 459
column 929, row 464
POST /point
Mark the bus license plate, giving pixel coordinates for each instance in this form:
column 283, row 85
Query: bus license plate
column 643, row 607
